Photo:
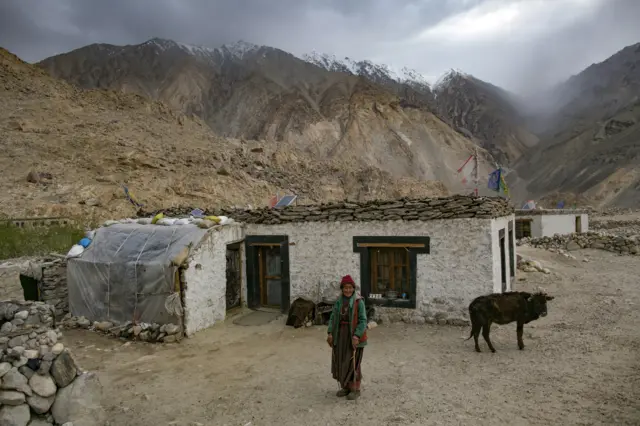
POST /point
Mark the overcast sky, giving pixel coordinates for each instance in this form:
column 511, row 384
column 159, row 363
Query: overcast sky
column 517, row 44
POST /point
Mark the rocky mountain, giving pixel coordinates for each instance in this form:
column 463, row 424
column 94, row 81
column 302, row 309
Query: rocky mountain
column 409, row 84
column 590, row 138
column 254, row 92
column 67, row 151
column 485, row 112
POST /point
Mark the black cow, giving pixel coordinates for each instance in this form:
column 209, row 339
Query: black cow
column 503, row 308
column 300, row 312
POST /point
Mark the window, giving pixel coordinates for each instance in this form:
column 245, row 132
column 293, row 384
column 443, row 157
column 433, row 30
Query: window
column 523, row 228
column 388, row 269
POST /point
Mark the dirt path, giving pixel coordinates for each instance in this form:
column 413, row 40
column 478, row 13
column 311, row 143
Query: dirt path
column 580, row 366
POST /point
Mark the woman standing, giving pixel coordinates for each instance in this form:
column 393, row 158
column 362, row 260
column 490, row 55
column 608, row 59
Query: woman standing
column 347, row 337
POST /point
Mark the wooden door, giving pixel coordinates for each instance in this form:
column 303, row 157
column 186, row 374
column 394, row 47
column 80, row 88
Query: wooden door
column 270, row 275
column 578, row 224
column 267, row 271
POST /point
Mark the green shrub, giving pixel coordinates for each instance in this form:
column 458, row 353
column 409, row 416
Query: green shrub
column 18, row 242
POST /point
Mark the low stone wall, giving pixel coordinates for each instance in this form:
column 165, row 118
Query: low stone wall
column 20, row 317
column 594, row 240
column 40, row 382
column 153, row 333
column 458, row 206
column 53, row 286
column 412, row 316
column 50, row 272
column 625, row 228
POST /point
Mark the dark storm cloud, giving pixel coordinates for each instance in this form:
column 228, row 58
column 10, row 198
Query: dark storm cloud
column 501, row 41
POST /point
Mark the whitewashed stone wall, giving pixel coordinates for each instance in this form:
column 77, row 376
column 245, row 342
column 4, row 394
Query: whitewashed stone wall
column 206, row 279
column 10, row 287
column 460, row 266
column 547, row 225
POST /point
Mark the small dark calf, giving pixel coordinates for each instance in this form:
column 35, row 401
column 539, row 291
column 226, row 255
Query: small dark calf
column 503, row 308
column 300, row 312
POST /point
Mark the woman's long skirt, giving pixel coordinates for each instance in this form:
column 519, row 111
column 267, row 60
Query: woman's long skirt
column 342, row 361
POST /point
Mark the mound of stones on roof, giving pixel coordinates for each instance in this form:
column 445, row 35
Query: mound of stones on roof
column 594, row 240
column 456, row 207
column 40, row 382
column 153, row 333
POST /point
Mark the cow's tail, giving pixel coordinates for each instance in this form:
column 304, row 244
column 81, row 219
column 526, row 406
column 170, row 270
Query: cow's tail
column 471, row 315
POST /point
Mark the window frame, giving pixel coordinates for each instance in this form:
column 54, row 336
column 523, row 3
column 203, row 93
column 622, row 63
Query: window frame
column 520, row 225
column 414, row 245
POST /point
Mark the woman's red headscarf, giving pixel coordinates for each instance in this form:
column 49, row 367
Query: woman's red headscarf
column 347, row 280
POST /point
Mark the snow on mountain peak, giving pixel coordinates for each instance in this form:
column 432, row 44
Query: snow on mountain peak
column 366, row 68
column 445, row 79
column 240, row 48
column 237, row 50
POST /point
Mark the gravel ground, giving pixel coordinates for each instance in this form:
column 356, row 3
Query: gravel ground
column 580, row 366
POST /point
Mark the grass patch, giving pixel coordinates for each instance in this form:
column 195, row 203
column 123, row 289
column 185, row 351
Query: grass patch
column 18, row 242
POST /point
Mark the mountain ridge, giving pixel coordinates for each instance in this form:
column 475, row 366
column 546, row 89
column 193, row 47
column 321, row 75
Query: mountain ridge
column 68, row 150
column 329, row 107
column 274, row 96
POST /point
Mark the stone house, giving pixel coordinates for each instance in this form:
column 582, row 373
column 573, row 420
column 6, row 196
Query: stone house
column 538, row 223
column 153, row 275
column 415, row 260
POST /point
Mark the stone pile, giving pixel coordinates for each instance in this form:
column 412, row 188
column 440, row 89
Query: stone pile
column 625, row 228
column 455, row 207
column 25, row 317
column 40, row 382
column 49, row 389
column 152, row 333
column 529, row 265
column 594, row 240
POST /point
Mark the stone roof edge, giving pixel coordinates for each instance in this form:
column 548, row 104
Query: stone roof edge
column 456, row 207
column 549, row 212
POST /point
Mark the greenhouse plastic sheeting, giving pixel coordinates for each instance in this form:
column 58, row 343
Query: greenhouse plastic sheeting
column 126, row 273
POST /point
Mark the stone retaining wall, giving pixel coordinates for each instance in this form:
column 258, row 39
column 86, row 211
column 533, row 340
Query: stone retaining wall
column 51, row 274
column 53, row 286
column 153, row 333
column 40, row 382
column 458, row 206
column 595, row 240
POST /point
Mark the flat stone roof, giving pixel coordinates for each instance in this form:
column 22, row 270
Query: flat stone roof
column 454, row 207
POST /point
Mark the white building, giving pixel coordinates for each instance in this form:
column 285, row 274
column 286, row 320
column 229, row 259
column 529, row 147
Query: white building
column 415, row 260
column 436, row 255
column 546, row 223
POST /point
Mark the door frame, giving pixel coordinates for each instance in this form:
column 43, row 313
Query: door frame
column 252, row 242
column 503, row 261
column 237, row 247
